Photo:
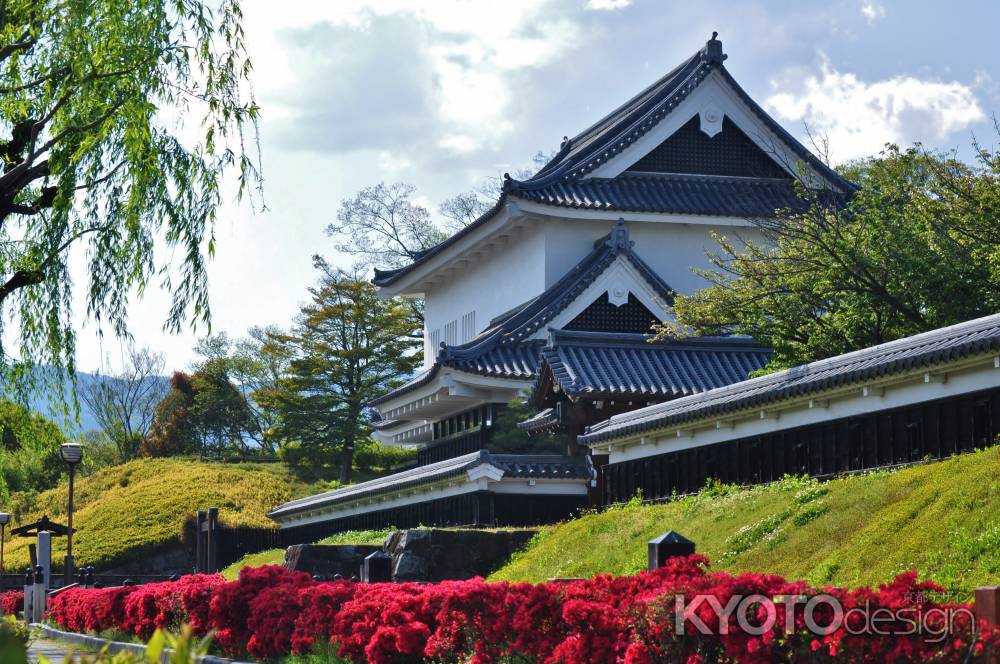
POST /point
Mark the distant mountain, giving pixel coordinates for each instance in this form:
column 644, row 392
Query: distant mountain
column 48, row 404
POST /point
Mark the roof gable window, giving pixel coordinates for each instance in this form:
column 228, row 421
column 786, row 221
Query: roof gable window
column 603, row 316
column 730, row 152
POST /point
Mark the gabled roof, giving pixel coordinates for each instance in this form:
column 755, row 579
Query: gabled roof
column 615, row 132
column 599, row 365
column 929, row 349
column 561, row 181
column 535, row 466
column 505, row 349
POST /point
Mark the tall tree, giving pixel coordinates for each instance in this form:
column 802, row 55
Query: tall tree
column 462, row 209
column 348, row 347
column 915, row 248
column 203, row 413
column 253, row 365
column 381, row 226
column 124, row 403
column 29, row 457
column 95, row 97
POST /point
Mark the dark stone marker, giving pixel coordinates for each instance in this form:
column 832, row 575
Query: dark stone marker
column 377, row 568
column 667, row 546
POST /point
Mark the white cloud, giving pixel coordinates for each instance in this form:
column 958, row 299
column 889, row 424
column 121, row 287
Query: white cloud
column 859, row 117
column 872, row 11
column 456, row 61
column 608, row 4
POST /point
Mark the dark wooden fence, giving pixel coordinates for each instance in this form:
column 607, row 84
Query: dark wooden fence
column 888, row 438
column 232, row 543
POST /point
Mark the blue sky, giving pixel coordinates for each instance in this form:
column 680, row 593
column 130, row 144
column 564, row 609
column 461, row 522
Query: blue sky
column 442, row 94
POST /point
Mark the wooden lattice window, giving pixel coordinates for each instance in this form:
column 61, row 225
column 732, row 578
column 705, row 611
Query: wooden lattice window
column 602, row 316
column 730, row 152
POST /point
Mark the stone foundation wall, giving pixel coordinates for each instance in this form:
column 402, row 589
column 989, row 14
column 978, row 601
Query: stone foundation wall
column 328, row 560
column 439, row 555
column 416, row 554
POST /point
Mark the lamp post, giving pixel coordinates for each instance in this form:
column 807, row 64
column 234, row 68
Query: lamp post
column 71, row 454
column 4, row 520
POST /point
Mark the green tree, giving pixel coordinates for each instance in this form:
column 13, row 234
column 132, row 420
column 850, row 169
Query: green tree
column 916, row 248
column 204, row 413
column 347, row 348
column 29, row 458
column 121, row 117
column 174, row 428
column 253, row 365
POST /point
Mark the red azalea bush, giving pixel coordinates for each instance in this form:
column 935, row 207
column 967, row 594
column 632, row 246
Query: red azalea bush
column 90, row 609
column 11, row 602
column 270, row 612
column 231, row 602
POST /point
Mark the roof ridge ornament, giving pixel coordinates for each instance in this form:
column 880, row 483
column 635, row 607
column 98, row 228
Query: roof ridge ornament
column 618, row 237
column 712, row 53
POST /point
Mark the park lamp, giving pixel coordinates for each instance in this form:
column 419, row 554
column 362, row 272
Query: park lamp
column 4, row 520
column 71, row 454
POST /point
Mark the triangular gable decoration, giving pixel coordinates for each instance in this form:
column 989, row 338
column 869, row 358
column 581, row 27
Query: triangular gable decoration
column 692, row 151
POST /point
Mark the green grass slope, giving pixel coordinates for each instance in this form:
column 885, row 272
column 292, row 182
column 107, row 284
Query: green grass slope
column 940, row 518
column 128, row 511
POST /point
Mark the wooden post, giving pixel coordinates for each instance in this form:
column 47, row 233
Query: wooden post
column 200, row 549
column 988, row 604
column 213, row 540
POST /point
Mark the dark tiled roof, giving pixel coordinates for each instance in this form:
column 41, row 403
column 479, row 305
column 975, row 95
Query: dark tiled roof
column 628, row 365
column 544, row 419
column 543, row 466
column 513, row 465
column 516, row 360
column 625, row 125
column 925, row 350
column 683, row 194
column 559, row 181
column 504, row 350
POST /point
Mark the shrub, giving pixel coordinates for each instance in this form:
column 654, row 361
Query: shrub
column 271, row 612
column 11, row 602
column 232, row 601
column 375, row 455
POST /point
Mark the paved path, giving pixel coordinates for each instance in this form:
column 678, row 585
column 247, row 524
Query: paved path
column 55, row 651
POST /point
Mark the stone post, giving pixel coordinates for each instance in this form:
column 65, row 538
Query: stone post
column 45, row 555
column 29, row 592
column 38, row 595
